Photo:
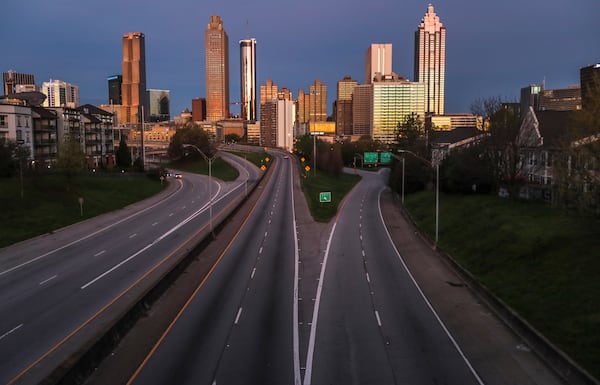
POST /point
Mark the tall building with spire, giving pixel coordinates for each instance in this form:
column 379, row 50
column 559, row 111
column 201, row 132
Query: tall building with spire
column 133, row 86
column 430, row 60
column 216, row 44
column 248, row 79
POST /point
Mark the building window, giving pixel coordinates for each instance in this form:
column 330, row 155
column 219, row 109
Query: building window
column 19, row 135
column 3, row 121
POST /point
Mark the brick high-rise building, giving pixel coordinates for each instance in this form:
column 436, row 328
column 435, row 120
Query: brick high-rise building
column 198, row 109
column 430, row 60
column 216, row 44
column 133, row 87
column 343, row 105
column 12, row 79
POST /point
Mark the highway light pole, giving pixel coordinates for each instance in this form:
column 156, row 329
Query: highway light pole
column 437, row 188
column 209, row 180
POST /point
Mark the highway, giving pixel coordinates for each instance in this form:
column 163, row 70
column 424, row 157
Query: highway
column 51, row 286
column 371, row 325
column 240, row 326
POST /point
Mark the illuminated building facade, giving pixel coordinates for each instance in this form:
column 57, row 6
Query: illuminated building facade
column 430, row 60
column 133, row 88
column 248, row 79
column 158, row 109
column 60, row 94
column 343, row 106
column 216, row 43
column 378, row 60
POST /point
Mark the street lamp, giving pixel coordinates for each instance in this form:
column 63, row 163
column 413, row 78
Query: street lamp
column 209, row 179
column 437, row 187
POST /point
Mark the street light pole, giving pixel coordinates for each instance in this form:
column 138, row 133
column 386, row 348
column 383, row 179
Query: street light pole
column 209, row 160
column 437, row 188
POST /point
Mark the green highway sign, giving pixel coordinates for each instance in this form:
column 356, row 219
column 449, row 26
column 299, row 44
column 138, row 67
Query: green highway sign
column 386, row 157
column 371, row 157
column 325, row 196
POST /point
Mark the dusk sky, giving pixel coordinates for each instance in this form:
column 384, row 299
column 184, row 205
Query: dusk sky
column 492, row 48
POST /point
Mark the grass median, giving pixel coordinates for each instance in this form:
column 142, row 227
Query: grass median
column 220, row 168
column 52, row 201
column 338, row 186
column 541, row 261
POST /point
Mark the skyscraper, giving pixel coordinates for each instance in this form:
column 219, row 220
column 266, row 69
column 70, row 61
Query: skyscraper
column 317, row 102
column 378, row 60
column 60, row 94
column 343, row 105
column 158, row 108
column 268, row 91
column 248, row 78
column 114, row 89
column 430, row 60
column 216, row 44
column 133, row 88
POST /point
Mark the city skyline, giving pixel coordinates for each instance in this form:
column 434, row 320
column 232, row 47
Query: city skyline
column 484, row 58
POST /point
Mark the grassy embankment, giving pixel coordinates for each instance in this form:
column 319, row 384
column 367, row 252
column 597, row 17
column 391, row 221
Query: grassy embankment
column 541, row 261
column 339, row 186
column 220, row 169
column 52, row 201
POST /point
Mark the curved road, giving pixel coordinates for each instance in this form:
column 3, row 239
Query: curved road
column 52, row 285
column 239, row 327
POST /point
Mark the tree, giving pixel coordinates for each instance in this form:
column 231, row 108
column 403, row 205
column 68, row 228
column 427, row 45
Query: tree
column 8, row 164
column 501, row 150
column 576, row 169
column 192, row 134
column 410, row 131
column 123, row 155
column 70, row 158
column 463, row 171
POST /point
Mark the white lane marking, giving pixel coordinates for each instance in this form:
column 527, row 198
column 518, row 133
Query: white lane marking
column 412, row 278
column 132, row 236
column 48, row 280
column 313, row 328
column 182, row 223
column 171, row 214
column 296, row 333
column 239, row 313
column 269, row 221
column 266, row 233
column 99, row 253
column 368, row 278
column 11, row 331
column 260, row 250
column 115, row 267
column 378, row 319
column 87, row 236
column 183, row 208
column 253, row 272
column 155, row 223
column 363, row 252
column 360, row 237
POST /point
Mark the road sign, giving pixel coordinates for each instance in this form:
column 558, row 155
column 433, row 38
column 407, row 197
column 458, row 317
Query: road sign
column 302, row 159
column 263, row 167
column 371, row 157
column 307, row 168
column 325, row 196
column 386, row 157
column 267, row 159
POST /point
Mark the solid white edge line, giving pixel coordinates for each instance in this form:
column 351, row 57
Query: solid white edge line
column 188, row 219
column 412, row 278
column 295, row 326
column 86, row 237
column 313, row 328
column 11, row 331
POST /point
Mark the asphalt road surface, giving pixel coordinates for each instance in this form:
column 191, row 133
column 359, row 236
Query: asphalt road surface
column 239, row 327
column 53, row 284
